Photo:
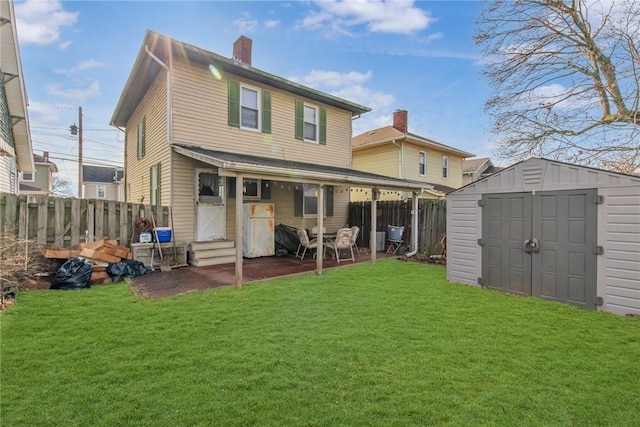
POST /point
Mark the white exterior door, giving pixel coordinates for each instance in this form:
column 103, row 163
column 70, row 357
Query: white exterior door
column 210, row 206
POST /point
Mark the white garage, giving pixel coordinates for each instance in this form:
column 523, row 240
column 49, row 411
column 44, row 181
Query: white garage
column 552, row 230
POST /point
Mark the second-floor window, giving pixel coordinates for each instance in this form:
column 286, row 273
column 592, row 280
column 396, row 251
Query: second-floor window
column 249, row 107
column 445, row 167
column 311, row 123
column 101, row 192
column 249, row 111
column 422, row 164
column 28, row 176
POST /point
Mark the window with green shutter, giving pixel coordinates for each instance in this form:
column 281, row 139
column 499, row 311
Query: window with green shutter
column 311, row 123
column 234, row 103
column 249, row 107
column 305, row 200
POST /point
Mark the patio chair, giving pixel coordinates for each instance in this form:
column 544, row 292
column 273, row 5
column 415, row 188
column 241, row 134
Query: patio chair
column 304, row 243
column 355, row 230
column 341, row 242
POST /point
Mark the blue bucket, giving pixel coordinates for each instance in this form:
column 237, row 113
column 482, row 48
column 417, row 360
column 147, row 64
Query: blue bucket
column 395, row 232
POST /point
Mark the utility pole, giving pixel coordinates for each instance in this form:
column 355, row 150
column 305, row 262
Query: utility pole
column 77, row 130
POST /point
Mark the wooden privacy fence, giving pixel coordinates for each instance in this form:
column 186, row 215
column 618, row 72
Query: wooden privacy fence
column 65, row 222
column 432, row 221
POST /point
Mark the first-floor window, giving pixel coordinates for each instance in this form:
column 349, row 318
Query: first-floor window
column 251, row 188
column 101, row 192
column 155, row 184
column 445, row 167
column 422, row 168
column 310, row 199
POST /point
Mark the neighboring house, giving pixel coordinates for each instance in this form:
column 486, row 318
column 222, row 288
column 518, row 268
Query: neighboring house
column 475, row 169
column 101, row 182
column 205, row 133
column 40, row 181
column 395, row 152
column 16, row 152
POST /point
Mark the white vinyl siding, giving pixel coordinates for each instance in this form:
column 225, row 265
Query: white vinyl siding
column 8, row 175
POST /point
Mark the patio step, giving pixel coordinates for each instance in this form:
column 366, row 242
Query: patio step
column 212, row 253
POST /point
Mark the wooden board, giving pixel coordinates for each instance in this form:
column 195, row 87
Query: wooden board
column 118, row 251
column 93, row 254
column 60, row 253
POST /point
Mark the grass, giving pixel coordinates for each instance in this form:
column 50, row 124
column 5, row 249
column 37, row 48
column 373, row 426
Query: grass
column 390, row 344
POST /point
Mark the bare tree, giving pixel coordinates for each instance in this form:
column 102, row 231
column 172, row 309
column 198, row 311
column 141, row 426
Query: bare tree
column 61, row 187
column 565, row 79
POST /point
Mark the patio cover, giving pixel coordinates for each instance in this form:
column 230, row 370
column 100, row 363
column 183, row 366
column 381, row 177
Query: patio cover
column 247, row 166
column 232, row 164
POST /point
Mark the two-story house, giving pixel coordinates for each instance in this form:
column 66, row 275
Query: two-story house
column 40, row 181
column 395, row 152
column 16, row 152
column 214, row 137
column 102, row 182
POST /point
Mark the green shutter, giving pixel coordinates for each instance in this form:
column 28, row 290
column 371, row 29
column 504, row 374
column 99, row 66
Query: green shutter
column 159, row 190
column 298, row 194
column 328, row 200
column 266, row 111
column 144, row 134
column 323, row 126
column 299, row 119
column 231, row 187
column 150, row 185
column 265, row 189
column 234, row 103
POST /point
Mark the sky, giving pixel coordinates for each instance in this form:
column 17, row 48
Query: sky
column 413, row 55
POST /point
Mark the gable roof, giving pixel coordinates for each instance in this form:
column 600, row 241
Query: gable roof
column 473, row 165
column 145, row 69
column 388, row 134
column 101, row 174
column 13, row 79
column 41, row 160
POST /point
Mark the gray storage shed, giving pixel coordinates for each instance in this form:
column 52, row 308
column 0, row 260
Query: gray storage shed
column 549, row 229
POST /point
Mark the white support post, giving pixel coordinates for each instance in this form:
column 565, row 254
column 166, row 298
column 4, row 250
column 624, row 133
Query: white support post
column 374, row 226
column 320, row 236
column 239, row 214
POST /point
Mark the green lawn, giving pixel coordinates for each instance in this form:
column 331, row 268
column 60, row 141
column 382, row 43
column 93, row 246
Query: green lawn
column 390, row 344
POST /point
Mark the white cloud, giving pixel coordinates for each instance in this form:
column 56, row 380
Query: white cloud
column 319, row 78
column 271, row 23
column 378, row 16
column 555, row 95
column 431, row 37
column 82, row 66
column 39, row 22
column 367, row 97
column 77, row 95
column 245, row 25
column 43, row 114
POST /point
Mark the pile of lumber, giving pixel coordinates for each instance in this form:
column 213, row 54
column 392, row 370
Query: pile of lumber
column 99, row 254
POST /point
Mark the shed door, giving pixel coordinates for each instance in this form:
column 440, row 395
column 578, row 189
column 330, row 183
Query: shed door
column 542, row 245
column 506, row 223
column 565, row 267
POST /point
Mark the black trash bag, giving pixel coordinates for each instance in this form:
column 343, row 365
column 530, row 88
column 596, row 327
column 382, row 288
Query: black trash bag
column 126, row 268
column 73, row 274
column 286, row 239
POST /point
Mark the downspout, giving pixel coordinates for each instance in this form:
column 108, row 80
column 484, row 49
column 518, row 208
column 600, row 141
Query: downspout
column 414, row 226
column 124, row 174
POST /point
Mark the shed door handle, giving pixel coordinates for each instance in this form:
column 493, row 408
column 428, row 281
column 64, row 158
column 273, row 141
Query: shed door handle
column 535, row 245
column 527, row 246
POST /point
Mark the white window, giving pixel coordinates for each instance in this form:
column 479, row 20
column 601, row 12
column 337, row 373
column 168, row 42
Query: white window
column 310, row 123
column 422, row 167
column 445, row 167
column 310, row 200
column 28, row 176
column 249, row 108
column 251, row 188
column 101, row 192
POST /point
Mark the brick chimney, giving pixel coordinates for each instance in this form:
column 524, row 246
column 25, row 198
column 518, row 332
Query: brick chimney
column 400, row 120
column 242, row 50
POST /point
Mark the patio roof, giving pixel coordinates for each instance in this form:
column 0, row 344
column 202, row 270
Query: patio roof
column 231, row 164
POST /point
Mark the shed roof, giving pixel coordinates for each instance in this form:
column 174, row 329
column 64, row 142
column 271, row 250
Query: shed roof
column 101, row 174
column 539, row 174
